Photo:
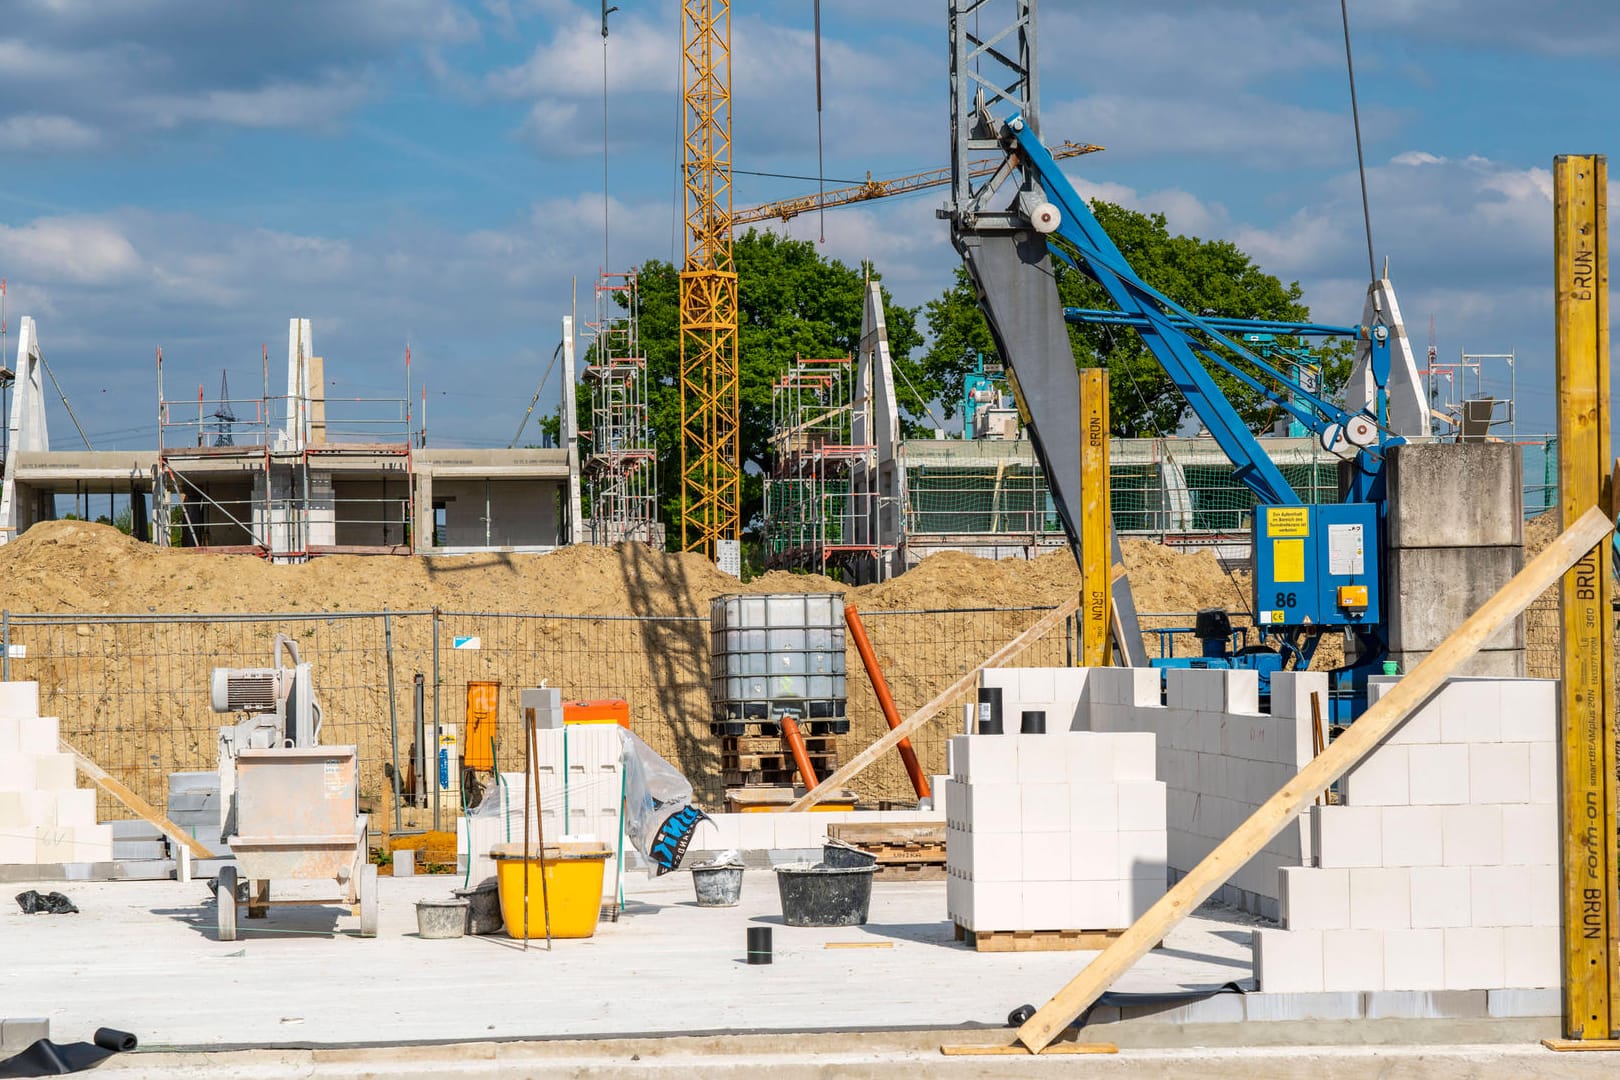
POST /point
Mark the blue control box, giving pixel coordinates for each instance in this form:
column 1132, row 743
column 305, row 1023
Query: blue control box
column 1316, row 565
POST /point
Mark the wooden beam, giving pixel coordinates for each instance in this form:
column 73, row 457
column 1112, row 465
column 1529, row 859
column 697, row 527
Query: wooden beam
column 1360, row 738
column 141, row 808
column 862, row 761
column 1096, row 555
column 1587, row 833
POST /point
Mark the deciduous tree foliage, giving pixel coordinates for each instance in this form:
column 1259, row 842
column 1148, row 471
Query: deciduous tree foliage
column 1205, row 276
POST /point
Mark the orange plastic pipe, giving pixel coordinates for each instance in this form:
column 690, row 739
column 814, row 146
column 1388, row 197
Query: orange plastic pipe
column 801, row 756
column 880, row 687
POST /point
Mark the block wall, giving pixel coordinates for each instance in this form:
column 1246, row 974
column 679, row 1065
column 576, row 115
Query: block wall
column 1060, row 831
column 1439, row 870
column 45, row 818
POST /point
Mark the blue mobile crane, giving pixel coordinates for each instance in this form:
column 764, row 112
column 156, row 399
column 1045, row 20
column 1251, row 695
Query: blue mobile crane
column 1316, row 567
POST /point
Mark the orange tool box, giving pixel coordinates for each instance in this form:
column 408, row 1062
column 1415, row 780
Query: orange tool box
column 606, row 711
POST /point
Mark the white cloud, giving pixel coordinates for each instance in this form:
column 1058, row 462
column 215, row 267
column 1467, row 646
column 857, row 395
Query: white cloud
column 35, row 132
column 275, row 105
column 74, row 250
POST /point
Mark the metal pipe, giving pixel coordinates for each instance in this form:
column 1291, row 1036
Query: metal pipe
column 880, row 687
column 393, row 716
column 801, row 755
column 419, row 747
column 435, row 778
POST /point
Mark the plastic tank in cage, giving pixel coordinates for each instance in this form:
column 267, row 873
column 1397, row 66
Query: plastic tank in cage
column 778, row 653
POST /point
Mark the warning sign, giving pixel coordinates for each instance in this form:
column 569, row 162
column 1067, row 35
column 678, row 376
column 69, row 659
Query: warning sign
column 1287, row 560
column 1288, row 521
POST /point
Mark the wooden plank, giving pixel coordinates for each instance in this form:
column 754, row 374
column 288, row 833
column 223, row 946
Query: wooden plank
column 1567, row 1045
column 866, row 758
column 1096, row 556
column 1017, row 1049
column 1580, row 224
column 909, row 872
column 1348, row 749
column 1020, row 941
column 137, row 805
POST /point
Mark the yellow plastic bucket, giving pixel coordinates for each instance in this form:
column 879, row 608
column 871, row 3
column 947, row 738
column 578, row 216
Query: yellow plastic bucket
column 573, row 885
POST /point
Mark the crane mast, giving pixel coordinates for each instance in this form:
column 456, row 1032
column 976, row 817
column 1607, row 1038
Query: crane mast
column 711, row 460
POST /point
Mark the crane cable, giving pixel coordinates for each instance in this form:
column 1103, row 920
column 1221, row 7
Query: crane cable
column 532, row 401
column 1361, row 162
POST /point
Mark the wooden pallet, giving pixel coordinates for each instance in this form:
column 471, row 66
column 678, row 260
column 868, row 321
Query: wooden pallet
column 772, row 744
column 1005, row 941
column 894, row 833
column 912, row 871
column 779, row 760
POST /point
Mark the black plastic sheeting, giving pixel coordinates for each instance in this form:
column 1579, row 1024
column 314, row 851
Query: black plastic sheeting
column 46, row 1058
column 33, row 902
column 1115, row 999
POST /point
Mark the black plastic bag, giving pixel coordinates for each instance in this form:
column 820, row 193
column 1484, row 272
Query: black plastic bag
column 45, row 1058
column 32, row 903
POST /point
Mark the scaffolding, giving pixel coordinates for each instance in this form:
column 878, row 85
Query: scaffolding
column 621, row 466
column 818, row 501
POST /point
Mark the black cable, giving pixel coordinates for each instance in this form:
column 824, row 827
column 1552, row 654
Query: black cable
column 821, row 163
column 1361, row 163
column 792, row 176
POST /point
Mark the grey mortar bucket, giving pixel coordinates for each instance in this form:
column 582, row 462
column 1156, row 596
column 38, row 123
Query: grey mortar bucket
column 837, row 853
column 718, row 884
column 436, row 919
column 483, row 908
column 823, row 895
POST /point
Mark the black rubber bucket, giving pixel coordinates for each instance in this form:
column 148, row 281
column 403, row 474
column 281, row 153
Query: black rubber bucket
column 844, row 856
column 825, row 895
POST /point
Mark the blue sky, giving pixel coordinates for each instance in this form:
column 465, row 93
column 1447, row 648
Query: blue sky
column 429, row 171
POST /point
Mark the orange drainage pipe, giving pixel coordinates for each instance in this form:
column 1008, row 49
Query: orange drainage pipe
column 801, row 756
column 880, row 687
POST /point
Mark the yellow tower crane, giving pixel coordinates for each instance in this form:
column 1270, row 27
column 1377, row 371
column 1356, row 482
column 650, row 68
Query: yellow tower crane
column 711, row 459
column 788, row 209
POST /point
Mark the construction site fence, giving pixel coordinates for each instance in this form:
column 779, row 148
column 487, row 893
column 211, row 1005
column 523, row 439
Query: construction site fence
column 132, row 691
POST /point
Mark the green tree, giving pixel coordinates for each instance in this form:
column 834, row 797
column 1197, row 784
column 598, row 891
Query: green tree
column 792, row 302
column 1203, row 276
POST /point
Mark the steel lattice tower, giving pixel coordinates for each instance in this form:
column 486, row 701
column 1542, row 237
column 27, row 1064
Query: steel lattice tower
column 711, row 460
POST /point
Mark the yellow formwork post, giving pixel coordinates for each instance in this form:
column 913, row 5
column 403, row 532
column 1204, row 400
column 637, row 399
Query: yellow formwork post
column 1587, row 821
column 1096, row 551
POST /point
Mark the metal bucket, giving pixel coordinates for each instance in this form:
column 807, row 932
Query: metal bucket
column 825, row 895
column 483, row 908
column 437, row 919
column 718, row 884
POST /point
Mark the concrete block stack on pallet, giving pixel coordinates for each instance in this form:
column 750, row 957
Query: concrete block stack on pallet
column 1439, row 871
column 45, row 819
column 1053, row 832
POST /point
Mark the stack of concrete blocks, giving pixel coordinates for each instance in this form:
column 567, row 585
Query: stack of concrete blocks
column 1060, row 831
column 1439, row 871
column 581, row 769
column 1456, row 536
column 45, row 819
column 1221, row 757
column 194, row 805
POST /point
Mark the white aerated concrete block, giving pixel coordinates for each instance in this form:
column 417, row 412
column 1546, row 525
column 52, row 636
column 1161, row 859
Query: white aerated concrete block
column 1414, row 960
column 985, row 759
column 1442, row 897
column 1093, row 807
column 1043, row 759
column 1347, row 836
column 995, row 808
column 1471, row 711
column 1500, row 895
column 17, row 847
column 76, row 808
column 1139, row 894
column 39, row 735
column 1499, row 772
column 1380, row 899
column 19, row 699
column 1135, row 755
column 1141, row 806
column 1094, row 856
column 1098, row 905
column 54, row 772
column 1141, row 855
column 1046, row 906
column 1546, row 894
column 998, row 906
column 1471, row 835
column 1530, row 710
column 1314, row 899
column 1529, row 834
column 1412, row 834
column 1532, row 957
column 1035, row 684
column 1380, row 780
column 17, row 772
column 1090, row 759
column 1046, row 857
column 1045, row 808
column 1291, row 693
column 996, row 859
column 1288, row 961
column 10, row 726
column 1438, row 774
column 1241, row 692
column 1544, row 772
column 1475, row 957
column 1352, row 959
